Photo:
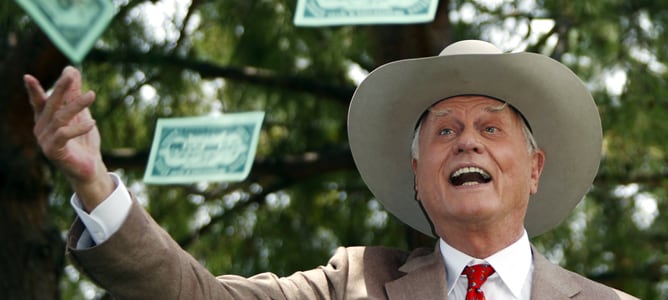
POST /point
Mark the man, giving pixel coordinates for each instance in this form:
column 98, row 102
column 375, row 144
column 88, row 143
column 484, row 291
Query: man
column 453, row 145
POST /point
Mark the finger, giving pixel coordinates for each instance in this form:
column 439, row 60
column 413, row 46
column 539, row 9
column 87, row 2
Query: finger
column 75, row 112
column 36, row 93
column 57, row 98
column 77, row 107
column 54, row 143
column 75, row 88
column 46, row 108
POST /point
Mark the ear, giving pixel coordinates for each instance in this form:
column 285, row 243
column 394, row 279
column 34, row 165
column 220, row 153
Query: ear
column 537, row 164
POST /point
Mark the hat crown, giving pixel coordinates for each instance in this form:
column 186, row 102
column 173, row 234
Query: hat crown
column 470, row 47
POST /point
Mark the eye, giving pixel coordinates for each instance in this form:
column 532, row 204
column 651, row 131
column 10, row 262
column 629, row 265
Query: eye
column 491, row 129
column 446, row 131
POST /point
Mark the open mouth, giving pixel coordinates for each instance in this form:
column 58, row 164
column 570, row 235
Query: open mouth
column 469, row 176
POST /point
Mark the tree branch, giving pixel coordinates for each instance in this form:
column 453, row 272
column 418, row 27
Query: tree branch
column 339, row 93
column 257, row 198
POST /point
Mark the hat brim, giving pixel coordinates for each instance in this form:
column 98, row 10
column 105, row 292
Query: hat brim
column 560, row 110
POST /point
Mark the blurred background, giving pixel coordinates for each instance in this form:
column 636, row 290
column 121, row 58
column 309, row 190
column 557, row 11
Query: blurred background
column 304, row 197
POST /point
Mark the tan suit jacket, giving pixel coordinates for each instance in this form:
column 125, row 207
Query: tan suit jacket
column 141, row 261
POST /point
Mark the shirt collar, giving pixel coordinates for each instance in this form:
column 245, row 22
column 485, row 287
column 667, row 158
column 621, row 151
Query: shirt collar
column 513, row 263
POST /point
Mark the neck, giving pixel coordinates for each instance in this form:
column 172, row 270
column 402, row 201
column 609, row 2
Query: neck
column 480, row 242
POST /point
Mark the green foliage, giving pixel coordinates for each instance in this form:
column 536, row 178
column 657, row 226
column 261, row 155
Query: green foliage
column 271, row 222
column 282, row 221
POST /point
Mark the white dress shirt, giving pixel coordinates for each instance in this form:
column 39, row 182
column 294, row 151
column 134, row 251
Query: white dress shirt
column 106, row 218
column 513, row 266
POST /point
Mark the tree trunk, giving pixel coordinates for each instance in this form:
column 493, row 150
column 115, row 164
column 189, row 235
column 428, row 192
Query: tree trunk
column 32, row 251
column 396, row 42
column 410, row 41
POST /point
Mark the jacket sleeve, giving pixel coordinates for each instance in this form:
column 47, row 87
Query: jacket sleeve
column 141, row 261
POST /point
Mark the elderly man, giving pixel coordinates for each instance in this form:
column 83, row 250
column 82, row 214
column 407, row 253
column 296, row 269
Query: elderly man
column 453, row 145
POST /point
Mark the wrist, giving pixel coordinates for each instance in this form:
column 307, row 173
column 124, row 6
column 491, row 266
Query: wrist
column 95, row 189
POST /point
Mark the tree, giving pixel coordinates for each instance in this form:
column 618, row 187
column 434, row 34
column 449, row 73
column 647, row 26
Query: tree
column 32, row 254
column 304, row 196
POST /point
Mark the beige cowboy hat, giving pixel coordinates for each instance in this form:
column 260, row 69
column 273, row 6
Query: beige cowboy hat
column 561, row 113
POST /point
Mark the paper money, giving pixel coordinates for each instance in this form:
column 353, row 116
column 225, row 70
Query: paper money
column 345, row 12
column 73, row 26
column 198, row 149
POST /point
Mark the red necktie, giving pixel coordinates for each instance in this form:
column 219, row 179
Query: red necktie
column 476, row 275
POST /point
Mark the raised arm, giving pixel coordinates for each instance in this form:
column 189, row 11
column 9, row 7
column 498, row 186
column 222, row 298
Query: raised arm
column 68, row 136
column 140, row 260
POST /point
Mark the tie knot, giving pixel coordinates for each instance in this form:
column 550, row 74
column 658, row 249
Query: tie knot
column 477, row 275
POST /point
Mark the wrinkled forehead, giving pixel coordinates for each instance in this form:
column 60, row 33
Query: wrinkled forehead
column 494, row 105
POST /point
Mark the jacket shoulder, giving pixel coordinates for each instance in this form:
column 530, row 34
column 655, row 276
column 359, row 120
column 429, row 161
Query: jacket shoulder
column 382, row 258
column 373, row 259
column 554, row 282
column 363, row 271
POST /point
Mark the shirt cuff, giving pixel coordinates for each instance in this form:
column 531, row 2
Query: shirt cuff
column 106, row 218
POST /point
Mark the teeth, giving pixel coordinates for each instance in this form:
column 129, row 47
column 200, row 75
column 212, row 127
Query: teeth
column 471, row 170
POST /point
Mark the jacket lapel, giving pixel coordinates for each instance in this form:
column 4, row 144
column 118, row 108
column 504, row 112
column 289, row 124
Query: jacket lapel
column 425, row 278
column 550, row 282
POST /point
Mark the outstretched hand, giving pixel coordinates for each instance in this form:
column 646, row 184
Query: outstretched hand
column 68, row 136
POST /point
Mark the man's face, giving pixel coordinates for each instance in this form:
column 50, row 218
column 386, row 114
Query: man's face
column 474, row 167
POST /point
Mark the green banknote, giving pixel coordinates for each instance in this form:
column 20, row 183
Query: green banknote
column 344, row 12
column 73, row 26
column 203, row 149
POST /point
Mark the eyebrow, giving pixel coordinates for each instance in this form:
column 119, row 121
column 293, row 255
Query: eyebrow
column 446, row 111
column 497, row 108
column 439, row 112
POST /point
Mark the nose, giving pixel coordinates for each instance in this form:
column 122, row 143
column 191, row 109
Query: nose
column 469, row 142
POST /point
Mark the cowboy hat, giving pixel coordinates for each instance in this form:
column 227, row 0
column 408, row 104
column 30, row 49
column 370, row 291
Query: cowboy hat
column 559, row 109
